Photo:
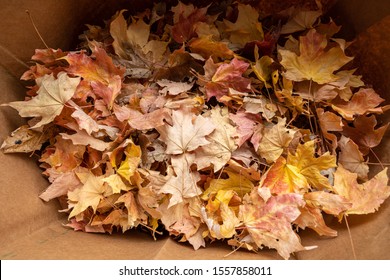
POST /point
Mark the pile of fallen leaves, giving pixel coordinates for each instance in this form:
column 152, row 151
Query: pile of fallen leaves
column 210, row 122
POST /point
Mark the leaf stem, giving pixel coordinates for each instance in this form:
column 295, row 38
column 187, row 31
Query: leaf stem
column 350, row 238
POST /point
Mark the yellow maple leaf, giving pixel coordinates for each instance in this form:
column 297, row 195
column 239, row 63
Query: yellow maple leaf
column 275, row 141
column 314, row 62
column 133, row 158
column 300, row 172
column 219, row 217
column 236, row 182
column 365, row 198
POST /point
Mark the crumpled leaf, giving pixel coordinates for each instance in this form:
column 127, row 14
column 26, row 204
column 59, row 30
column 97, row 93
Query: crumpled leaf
column 365, row 198
column 131, row 43
column 314, row 62
column 52, row 96
column 220, row 219
column 269, row 222
column 329, row 122
column 186, row 133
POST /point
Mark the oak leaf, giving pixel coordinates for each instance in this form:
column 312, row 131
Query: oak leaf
column 52, row 96
column 314, row 62
column 187, row 132
column 365, row 198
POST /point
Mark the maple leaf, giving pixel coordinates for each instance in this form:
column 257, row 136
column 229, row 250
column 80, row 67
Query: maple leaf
column 131, row 43
column 207, row 47
column 63, row 156
column 362, row 102
column 328, row 202
column 365, row 198
column 236, row 182
column 130, row 164
column 184, row 184
column 186, row 19
column 116, row 183
column 329, row 122
column 134, row 213
column 269, row 222
column 52, row 96
column 174, row 88
column 81, row 137
column 61, row 183
column 187, row 132
column 299, row 172
column 260, row 104
column 247, row 125
column 262, row 68
column 315, row 62
column 246, row 28
column 300, row 20
column 227, row 75
column 220, row 219
column 221, row 141
column 89, row 195
column 98, row 67
column 364, row 133
column 310, row 166
column 275, row 141
column 351, row 158
column 141, row 121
